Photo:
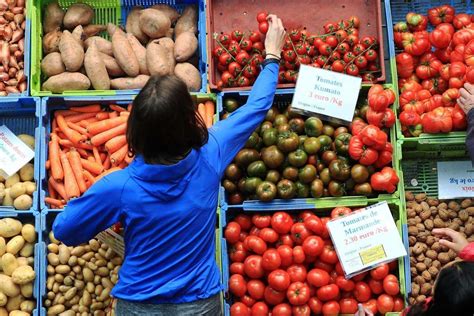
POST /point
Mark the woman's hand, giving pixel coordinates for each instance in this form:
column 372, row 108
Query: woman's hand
column 457, row 243
column 275, row 37
column 363, row 311
column 466, row 101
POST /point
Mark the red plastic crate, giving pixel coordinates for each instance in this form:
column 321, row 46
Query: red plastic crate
column 227, row 15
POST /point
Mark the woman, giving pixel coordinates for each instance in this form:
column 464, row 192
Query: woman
column 466, row 102
column 167, row 198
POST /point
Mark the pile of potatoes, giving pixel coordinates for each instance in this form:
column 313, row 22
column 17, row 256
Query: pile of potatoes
column 427, row 256
column 17, row 276
column 17, row 190
column 80, row 278
column 75, row 58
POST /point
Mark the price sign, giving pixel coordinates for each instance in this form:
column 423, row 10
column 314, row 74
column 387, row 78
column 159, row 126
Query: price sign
column 328, row 93
column 455, row 179
column 366, row 238
column 14, row 154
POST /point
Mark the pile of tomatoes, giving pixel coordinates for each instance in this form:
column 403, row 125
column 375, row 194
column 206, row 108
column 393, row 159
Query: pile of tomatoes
column 432, row 68
column 287, row 265
column 340, row 48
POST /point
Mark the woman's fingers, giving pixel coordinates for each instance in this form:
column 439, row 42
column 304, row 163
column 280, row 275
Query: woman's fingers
column 469, row 87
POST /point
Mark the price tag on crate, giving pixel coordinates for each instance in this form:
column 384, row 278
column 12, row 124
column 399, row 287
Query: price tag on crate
column 113, row 240
column 14, row 153
column 366, row 238
column 327, row 93
column 455, row 179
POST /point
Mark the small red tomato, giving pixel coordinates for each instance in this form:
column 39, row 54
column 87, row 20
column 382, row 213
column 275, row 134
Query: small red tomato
column 243, row 81
column 234, row 68
column 227, row 77
column 390, row 285
column 361, row 62
column 257, row 60
column 234, row 48
column 224, row 39
column 257, row 47
column 318, row 277
column 362, row 292
column 263, row 27
column 256, row 288
column 271, row 260
column 225, row 59
column 237, row 285
column 380, row 272
column 254, row 37
column 239, row 309
column 332, row 41
column 352, row 70
column 325, row 49
column 338, row 66
column 237, row 35
column 262, row 17
column 279, row 280
column 236, row 268
column 295, row 35
column 242, row 58
column 250, row 71
column 371, row 55
column 246, row 45
column 218, row 51
column 343, row 48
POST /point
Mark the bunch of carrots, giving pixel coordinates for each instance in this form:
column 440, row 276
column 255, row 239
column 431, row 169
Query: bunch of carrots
column 87, row 143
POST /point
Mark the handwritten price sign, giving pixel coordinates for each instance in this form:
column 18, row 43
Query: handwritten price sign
column 455, row 179
column 14, row 154
column 324, row 92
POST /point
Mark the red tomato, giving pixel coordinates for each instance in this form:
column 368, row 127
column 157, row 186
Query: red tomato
column 271, row 260
column 371, row 305
column 297, row 273
column 244, row 221
column 242, row 236
column 237, row 285
column 339, row 269
column 232, row 232
column 398, row 305
column 315, row 305
column 237, row 252
column 282, row 310
column 444, row 13
column 253, row 267
column 256, row 289
column 260, row 309
column 345, row 284
column 331, row 308
column 329, row 255
column 390, row 285
column 263, row 27
column 352, row 70
column 261, row 221
column 268, row 235
column 376, row 286
column 285, row 240
column 246, row 45
column 362, row 292
column 440, row 39
column 301, row 310
column 380, row 272
column 461, row 20
column 298, row 255
column 323, row 266
column 242, row 58
column 282, row 222
column 247, row 300
column 254, row 37
column 332, row 41
column 234, row 48
column 239, row 309
column 298, row 293
column 318, row 277
column 262, row 17
column 415, row 45
column 236, row 268
column 385, row 303
column 313, row 245
column 234, row 68
column 340, row 211
column 279, row 280
column 314, row 224
column 338, row 66
column 274, row 297
column 361, row 62
column 470, row 75
column 255, row 243
column 325, row 233
column 348, row 306
column 299, row 233
column 328, row 292
column 286, row 255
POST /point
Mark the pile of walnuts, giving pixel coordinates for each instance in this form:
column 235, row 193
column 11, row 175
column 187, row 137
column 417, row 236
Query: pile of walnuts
column 427, row 256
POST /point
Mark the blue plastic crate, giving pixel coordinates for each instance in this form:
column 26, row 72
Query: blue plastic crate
column 406, row 260
column 179, row 5
column 21, row 116
column 391, row 42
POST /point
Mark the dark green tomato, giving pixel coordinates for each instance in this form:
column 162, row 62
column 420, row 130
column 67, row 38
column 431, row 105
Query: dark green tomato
column 313, row 160
column 253, row 141
column 257, row 169
column 328, row 130
column 313, row 127
column 260, row 144
column 229, row 186
column 290, row 173
column 251, row 184
column 280, row 119
column 325, row 176
column 371, row 170
column 311, row 145
column 271, row 114
column 328, row 156
column 233, row 172
column 340, row 170
column 320, row 166
column 273, row 176
column 341, row 143
column 363, row 189
column 349, row 185
column 302, row 190
column 340, row 130
column 317, row 188
column 298, row 158
column 283, row 128
column 286, row 189
column 230, row 105
column 246, row 156
column 241, row 185
column 235, row 198
column 363, row 111
column 272, row 157
column 297, row 125
column 266, row 191
column 270, row 137
column 325, row 142
column 265, row 125
column 359, row 173
column 336, row 189
column 288, row 141
column 307, row 174
column 290, row 113
column 302, row 140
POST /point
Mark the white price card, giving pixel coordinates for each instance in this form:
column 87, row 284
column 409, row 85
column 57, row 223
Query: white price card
column 14, row 154
column 327, row 93
column 366, row 238
column 455, row 179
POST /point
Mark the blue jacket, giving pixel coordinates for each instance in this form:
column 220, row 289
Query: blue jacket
column 168, row 211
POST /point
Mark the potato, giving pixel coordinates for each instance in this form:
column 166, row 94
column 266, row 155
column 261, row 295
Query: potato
column 157, row 59
column 185, row 46
column 27, row 306
column 27, row 290
column 30, row 187
column 169, row 11
column 28, row 140
column 7, row 200
column 67, row 81
column 103, row 45
column 52, row 64
column 23, row 275
column 51, row 41
column 93, row 29
column 64, row 254
column 23, row 202
column 9, row 263
column 154, row 23
column 113, row 68
column 187, row 22
column 17, row 189
column 190, row 75
column 78, row 14
column 3, row 311
column 15, row 244
column 53, row 17
column 20, row 313
column 132, row 25
column 28, row 233
column 3, row 299
column 140, row 53
column 10, row 227
column 56, row 309
column 7, row 286
column 124, row 54
column 13, row 304
column 2, row 246
column 9, row 182
column 129, row 83
column 95, row 69
column 27, row 250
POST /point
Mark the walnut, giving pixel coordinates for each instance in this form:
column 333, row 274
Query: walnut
column 438, row 223
column 458, row 221
column 412, row 230
column 452, row 254
column 432, row 202
column 469, row 229
column 442, row 205
column 427, row 261
column 411, row 222
column 444, row 257
column 420, row 267
column 433, row 271
column 418, row 208
column 454, row 206
column 426, row 288
column 412, row 240
column 420, row 298
column 426, row 275
column 471, row 238
column 413, row 271
column 420, row 258
column 470, row 210
column 443, row 214
column 466, row 203
column 421, row 227
column 436, row 247
column 419, row 248
column 422, row 236
column 417, row 220
column 463, row 215
column 420, row 197
column 413, row 261
column 443, row 248
column 430, row 240
column 425, row 214
column 409, row 196
column 453, row 214
column 431, row 254
column 411, row 301
column 429, row 224
column 420, row 280
column 411, row 213
column 415, row 289
column 425, row 206
column 436, row 264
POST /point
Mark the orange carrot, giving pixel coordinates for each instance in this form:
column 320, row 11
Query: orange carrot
column 117, row 108
column 107, row 173
column 113, row 114
column 70, row 183
column 52, row 192
column 82, row 152
column 87, row 122
column 107, row 163
column 115, row 143
column 103, row 137
column 102, row 116
column 103, row 156
column 64, row 113
column 75, row 161
column 79, row 117
column 89, row 177
column 117, row 157
column 68, row 143
column 86, row 109
column 96, row 154
column 54, row 124
column 104, row 125
column 72, row 135
column 47, row 164
column 58, row 187
column 202, row 111
column 56, row 169
column 53, row 202
column 61, row 135
column 77, row 128
column 92, row 167
column 91, row 158
column 210, row 110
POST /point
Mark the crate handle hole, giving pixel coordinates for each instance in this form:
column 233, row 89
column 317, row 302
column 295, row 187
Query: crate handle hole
column 368, row 24
column 343, row 6
column 220, row 13
column 245, row 12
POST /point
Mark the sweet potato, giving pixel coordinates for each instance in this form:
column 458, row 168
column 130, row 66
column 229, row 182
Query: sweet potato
column 133, row 27
column 72, row 53
column 78, row 34
column 124, row 54
column 78, row 14
column 52, row 64
column 67, row 81
column 189, row 74
column 53, row 17
column 93, row 29
column 185, row 46
column 154, row 23
column 169, row 45
column 157, row 59
column 51, row 41
column 187, row 22
column 103, row 45
column 111, row 65
column 95, row 69
column 137, row 82
column 140, row 53
column 111, row 28
column 169, row 11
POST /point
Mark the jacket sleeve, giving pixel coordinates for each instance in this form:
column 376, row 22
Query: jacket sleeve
column 470, row 134
column 227, row 137
column 85, row 217
column 467, row 253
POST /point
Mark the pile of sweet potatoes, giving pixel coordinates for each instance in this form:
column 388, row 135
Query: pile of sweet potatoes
column 156, row 41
